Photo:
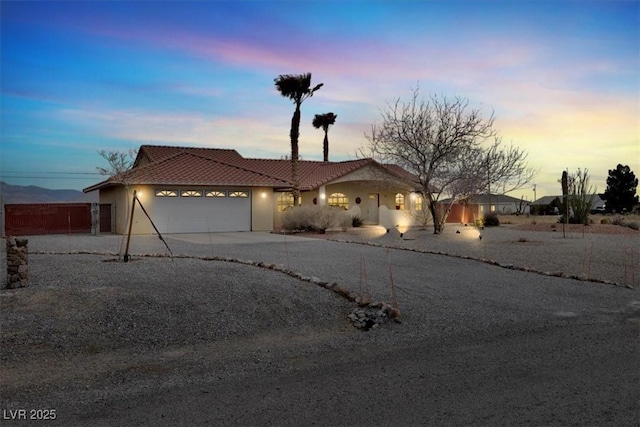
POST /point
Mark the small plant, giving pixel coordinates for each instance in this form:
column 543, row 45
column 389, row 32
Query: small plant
column 534, row 222
column 634, row 225
column 605, row 221
column 618, row 221
column 345, row 221
column 356, row 221
column 491, row 220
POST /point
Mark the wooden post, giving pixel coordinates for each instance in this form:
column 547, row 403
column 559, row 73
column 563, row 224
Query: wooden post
column 133, row 207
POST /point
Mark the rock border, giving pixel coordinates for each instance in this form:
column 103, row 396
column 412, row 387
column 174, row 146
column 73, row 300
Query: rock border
column 582, row 278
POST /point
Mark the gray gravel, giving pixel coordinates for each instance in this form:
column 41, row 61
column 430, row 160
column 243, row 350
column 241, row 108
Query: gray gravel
column 188, row 341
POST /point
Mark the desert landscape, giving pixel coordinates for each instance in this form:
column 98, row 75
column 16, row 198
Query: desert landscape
column 194, row 339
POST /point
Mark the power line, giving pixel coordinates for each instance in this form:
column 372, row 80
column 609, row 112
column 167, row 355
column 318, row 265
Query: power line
column 52, row 173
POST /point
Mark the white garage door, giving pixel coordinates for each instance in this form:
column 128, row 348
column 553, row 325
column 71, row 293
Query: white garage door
column 196, row 211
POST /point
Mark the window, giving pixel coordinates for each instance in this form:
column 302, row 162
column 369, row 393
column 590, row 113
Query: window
column 400, row 201
column 166, row 193
column 238, row 194
column 214, row 194
column 338, row 199
column 191, row 193
column 284, row 202
column 418, row 203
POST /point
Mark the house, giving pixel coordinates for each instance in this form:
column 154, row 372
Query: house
column 499, row 203
column 190, row 190
column 598, row 203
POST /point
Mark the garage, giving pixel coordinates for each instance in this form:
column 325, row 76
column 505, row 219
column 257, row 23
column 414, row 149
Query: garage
column 200, row 211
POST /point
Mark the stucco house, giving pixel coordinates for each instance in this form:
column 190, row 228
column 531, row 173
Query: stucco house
column 500, row 203
column 190, row 190
column 598, row 203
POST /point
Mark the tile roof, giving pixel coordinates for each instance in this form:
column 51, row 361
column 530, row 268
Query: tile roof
column 166, row 165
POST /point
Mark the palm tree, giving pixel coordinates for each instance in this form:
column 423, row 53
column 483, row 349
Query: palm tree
column 297, row 88
column 324, row 121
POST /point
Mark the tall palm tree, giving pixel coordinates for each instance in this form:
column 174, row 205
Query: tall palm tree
column 324, row 121
column 297, row 88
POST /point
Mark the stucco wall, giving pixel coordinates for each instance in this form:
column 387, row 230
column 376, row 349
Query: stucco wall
column 262, row 209
column 121, row 205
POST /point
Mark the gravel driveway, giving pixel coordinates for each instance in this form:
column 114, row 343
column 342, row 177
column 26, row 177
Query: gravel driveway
column 187, row 341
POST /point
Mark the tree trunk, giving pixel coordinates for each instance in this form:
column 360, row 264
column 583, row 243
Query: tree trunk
column 325, row 146
column 433, row 208
column 294, row 134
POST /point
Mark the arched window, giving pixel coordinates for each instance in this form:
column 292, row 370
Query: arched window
column 400, row 201
column 338, row 199
column 284, row 202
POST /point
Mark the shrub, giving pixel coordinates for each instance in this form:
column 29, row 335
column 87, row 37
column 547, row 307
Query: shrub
column 618, row 221
column 344, row 220
column 491, row 220
column 634, row 225
column 356, row 221
column 314, row 218
column 605, row 221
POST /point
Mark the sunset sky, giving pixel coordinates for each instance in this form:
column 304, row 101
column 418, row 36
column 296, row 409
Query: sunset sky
column 562, row 78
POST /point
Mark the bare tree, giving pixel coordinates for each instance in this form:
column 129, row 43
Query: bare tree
column 119, row 162
column 498, row 169
column 437, row 140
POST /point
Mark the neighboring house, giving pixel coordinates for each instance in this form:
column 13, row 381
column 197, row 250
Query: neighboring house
column 597, row 204
column 188, row 190
column 500, row 203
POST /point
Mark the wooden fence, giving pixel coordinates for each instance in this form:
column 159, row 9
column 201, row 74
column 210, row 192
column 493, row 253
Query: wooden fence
column 56, row 218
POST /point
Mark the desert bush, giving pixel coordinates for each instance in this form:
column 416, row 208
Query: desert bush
column 344, row 220
column 618, row 220
column 356, row 221
column 634, row 225
column 314, row 218
column 491, row 220
column 605, row 221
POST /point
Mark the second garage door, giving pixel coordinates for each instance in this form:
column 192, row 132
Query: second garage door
column 202, row 211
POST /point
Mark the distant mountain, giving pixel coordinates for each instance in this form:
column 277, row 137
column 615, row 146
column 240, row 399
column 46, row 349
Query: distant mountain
column 32, row 194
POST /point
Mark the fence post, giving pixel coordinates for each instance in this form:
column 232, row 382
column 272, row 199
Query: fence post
column 95, row 218
column 17, row 263
column 2, row 216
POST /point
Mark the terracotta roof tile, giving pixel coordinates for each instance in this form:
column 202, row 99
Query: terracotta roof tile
column 165, row 165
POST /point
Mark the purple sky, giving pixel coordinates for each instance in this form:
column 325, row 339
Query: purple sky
column 562, row 78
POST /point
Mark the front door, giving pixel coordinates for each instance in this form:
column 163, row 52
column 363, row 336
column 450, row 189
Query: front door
column 373, row 208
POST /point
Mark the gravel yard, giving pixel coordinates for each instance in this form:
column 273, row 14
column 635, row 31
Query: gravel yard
column 606, row 253
column 190, row 341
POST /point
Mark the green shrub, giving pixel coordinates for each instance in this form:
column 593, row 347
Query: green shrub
column 356, row 221
column 491, row 220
